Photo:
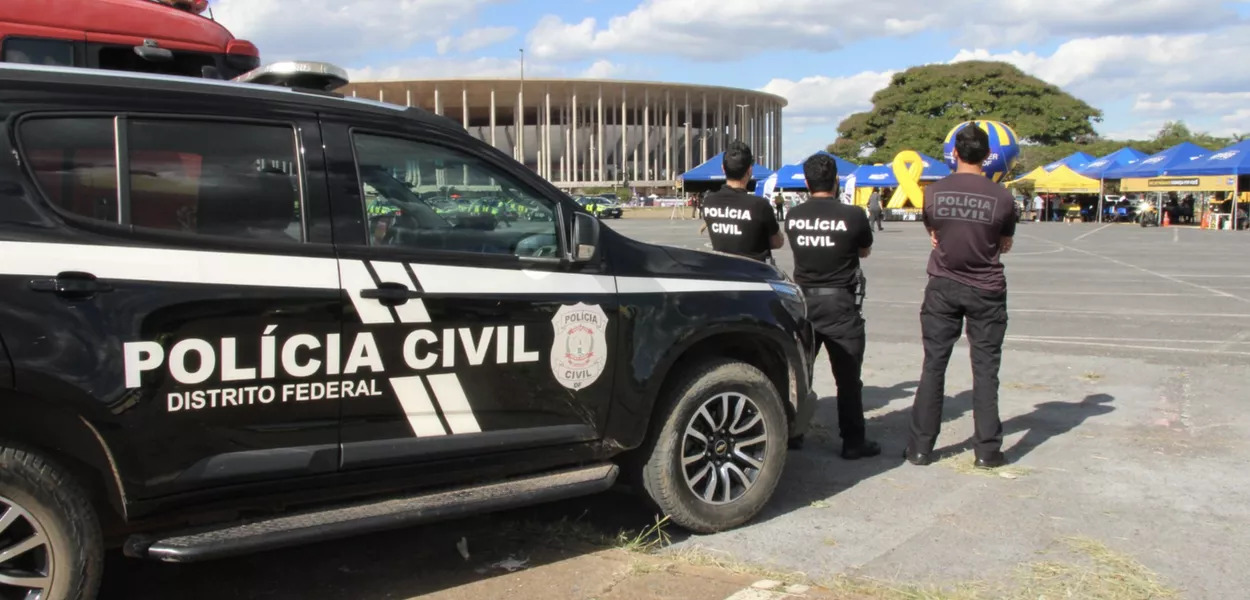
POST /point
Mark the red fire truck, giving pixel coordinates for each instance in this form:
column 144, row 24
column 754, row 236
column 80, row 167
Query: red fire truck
column 153, row 36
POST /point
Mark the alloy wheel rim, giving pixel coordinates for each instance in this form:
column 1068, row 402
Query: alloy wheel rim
column 26, row 561
column 723, row 448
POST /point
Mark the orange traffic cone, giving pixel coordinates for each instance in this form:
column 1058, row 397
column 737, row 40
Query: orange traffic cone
column 1167, row 218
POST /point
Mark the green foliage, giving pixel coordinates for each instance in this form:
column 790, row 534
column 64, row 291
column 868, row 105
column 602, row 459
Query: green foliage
column 922, row 104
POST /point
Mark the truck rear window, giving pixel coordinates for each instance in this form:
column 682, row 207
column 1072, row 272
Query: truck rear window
column 39, row 52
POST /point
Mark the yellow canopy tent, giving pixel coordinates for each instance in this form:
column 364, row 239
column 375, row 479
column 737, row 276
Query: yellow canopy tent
column 1033, row 175
column 1066, row 181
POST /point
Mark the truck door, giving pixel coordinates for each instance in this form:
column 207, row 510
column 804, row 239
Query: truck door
column 184, row 304
column 487, row 339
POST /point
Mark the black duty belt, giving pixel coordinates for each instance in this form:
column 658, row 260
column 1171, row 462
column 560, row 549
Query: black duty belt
column 827, row 291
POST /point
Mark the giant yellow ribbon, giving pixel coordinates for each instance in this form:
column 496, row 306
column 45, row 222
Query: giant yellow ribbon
column 908, row 166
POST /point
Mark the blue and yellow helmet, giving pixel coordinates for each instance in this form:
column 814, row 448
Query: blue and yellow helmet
column 1004, row 148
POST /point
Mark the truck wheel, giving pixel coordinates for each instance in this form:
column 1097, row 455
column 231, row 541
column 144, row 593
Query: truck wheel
column 720, row 450
column 50, row 541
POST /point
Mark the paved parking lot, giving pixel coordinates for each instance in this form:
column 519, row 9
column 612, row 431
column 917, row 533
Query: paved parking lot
column 1124, row 394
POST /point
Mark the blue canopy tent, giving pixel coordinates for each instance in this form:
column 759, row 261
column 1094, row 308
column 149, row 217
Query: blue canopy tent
column 1119, row 158
column 1098, row 169
column 1233, row 160
column 791, row 177
column 1155, row 165
column 1160, row 163
column 883, row 175
column 714, row 171
column 1075, row 161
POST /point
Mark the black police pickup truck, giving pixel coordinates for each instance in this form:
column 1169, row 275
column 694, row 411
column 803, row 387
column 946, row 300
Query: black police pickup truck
column 229, row 323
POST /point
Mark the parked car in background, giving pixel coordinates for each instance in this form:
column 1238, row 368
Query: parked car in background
column 601, row 207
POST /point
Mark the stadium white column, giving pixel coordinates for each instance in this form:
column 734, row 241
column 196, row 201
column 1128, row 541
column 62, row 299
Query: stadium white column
column 780, row 134
column 464, row 107
column 757, row 130
column 646, row 135
column 518, row 126
column 720, row 123
column 687, row 123
column 438, row 102
column 624, row 124
column 634, row 151
column 703, row 132
column 492, row 114
column 668, row 135
column 566, row 162
column 547, row 137
column 603, row 139
column 574, row 175
column 407, row 96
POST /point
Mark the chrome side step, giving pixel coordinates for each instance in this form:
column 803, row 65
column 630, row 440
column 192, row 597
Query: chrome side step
column 371, row 516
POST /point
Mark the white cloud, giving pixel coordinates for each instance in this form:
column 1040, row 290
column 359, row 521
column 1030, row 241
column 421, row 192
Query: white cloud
column 1199, row 78
column 817, row 104
column 1118, row 67
column 731, row 29
column 725, row 29
column 601, row 69
column 444, row 68
column 1012, row 21
column 340, row 31
column 475, row 39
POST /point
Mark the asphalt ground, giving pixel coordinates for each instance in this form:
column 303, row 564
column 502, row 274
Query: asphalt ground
column 1123, row 395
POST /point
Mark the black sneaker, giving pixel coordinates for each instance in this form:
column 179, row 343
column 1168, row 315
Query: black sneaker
column 862, row 450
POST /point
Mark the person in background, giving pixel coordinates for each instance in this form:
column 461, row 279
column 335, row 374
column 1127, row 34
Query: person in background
column 828, row 239
column 874, row 209
column 971, row 224
column 779, row 202
column 738, row 221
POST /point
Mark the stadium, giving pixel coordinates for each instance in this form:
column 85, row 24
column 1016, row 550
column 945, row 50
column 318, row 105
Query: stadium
column 580, row 133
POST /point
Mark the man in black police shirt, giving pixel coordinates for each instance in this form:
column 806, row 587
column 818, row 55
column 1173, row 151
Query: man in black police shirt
column 828, row 239
column 739, row 222
column 971, row 222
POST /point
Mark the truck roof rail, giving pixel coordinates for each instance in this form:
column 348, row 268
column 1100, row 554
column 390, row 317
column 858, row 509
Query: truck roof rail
column 311, row 75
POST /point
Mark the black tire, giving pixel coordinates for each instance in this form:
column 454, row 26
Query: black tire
column 37, row 494
column 662, row 472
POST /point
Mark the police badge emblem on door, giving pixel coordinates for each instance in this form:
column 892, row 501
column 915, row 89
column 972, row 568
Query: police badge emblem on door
column 579, row 350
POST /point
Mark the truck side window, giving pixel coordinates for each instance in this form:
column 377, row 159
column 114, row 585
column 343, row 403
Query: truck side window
column 39, row 52
column 215, row 178
column 433, row 198
column 199, row 177
column 75, row 163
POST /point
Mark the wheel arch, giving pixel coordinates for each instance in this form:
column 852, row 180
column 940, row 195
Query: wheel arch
column 70, row 440
column 754, row 347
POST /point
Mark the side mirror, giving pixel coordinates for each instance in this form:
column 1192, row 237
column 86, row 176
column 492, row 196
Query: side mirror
column 585, row 242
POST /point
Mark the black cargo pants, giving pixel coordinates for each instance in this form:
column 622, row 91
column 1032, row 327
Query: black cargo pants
column 839, row 329
column 947, row 306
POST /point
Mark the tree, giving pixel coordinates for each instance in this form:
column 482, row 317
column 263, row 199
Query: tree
column 922, row 104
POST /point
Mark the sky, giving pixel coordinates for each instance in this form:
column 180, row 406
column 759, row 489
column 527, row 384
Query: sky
column 1143, row 62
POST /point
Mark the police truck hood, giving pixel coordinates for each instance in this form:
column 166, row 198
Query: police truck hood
column 634, row 258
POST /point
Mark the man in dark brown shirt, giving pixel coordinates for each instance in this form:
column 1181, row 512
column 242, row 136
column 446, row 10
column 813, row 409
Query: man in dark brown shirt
column 971, row 221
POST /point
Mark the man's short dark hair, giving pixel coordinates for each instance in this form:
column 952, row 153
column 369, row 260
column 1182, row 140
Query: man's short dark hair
column 821, row 172
column 973, row 144
column 737, row 160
